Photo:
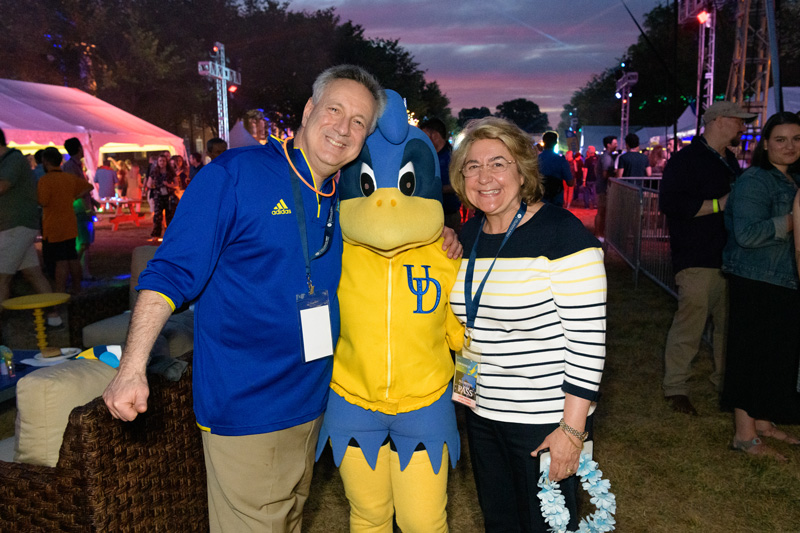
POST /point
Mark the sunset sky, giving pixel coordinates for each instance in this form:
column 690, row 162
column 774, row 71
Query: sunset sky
column 484, row 52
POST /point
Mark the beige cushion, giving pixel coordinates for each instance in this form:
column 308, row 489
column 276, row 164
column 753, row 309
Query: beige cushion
column 45, row 398
column 177, row 335
column 139, row 258
column 112, row 330
column 177, row 332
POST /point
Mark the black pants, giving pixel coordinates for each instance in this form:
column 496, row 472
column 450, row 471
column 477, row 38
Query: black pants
column 163, row 204
column 506, row 475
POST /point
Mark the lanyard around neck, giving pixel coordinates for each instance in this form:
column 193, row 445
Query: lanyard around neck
column 300, row 215
column 722, row 156
column 312, row 187
column 473, row 303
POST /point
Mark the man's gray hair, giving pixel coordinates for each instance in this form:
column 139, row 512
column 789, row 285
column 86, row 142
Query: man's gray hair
column 357, row 74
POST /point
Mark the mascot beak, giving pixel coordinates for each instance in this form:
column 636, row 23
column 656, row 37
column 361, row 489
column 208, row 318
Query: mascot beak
column 388, row 222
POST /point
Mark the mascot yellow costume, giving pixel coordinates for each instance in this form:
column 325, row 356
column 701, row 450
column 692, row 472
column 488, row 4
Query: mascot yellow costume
column 390, row 419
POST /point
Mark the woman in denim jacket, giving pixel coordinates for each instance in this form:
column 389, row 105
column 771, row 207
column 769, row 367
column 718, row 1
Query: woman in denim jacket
column 759, row 258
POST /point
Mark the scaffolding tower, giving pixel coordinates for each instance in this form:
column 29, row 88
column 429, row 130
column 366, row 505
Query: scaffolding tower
column 748, row 82
column 749, row 78
column 705, row 12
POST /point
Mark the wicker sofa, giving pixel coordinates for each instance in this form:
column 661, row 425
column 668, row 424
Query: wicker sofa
column 146, row 475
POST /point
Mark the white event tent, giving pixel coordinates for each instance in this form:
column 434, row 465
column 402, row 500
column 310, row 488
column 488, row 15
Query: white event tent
column 35, row 115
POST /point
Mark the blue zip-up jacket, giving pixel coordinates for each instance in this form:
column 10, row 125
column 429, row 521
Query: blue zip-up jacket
column 760, row 247
column 234, row 247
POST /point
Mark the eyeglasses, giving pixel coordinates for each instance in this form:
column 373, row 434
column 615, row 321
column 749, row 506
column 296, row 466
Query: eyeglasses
column 495, row 166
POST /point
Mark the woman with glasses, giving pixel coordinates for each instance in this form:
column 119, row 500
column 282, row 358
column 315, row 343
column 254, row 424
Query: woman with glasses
column 532, row 296
column 759, row 258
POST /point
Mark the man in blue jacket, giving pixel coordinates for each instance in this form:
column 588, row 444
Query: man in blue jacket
column 555, row 170
column 256, row 245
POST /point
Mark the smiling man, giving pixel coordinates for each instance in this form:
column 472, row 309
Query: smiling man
column 256, row 245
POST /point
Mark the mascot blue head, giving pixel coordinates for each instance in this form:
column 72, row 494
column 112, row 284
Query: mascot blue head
column 391, row 195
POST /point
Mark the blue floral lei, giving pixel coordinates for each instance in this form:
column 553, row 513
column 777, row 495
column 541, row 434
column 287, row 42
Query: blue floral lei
column 553, row 503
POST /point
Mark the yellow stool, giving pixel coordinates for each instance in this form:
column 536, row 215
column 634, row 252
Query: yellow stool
column 37, row 302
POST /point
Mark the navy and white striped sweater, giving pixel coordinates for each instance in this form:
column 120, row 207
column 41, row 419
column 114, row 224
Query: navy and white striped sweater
column 541, row 324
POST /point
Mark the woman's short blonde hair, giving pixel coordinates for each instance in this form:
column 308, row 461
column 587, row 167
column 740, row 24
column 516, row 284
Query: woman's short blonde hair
column 518, row 142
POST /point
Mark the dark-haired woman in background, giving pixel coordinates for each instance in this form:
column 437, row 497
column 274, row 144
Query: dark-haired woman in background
column 181, row 173
column 162, row 184
column 764, row 316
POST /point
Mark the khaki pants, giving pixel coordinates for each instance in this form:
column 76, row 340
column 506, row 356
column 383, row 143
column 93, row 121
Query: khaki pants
column 702, row 292
column 260, row 482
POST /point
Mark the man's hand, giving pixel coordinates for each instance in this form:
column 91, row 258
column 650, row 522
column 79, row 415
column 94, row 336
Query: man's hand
column 126, row 395
column 451, row 243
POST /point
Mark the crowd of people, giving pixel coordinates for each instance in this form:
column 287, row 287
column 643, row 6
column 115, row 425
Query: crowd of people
column 530, row 294
column 48, row 193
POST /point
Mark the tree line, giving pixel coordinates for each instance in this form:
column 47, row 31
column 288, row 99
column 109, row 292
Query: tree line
column 141, row 55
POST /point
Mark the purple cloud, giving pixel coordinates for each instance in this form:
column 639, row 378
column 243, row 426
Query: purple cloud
column 482, row 53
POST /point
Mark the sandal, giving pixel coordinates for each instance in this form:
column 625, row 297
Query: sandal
column 778, row 434
column 756, row 447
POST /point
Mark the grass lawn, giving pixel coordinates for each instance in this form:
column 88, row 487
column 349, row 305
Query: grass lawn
column 670, row 472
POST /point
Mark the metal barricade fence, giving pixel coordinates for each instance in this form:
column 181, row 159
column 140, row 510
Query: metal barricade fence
column 637, row 230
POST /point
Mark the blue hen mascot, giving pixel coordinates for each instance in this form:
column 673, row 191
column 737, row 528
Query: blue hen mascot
column 390, row 419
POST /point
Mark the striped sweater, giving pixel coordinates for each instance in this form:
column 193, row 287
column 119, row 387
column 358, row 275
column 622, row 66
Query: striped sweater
column 541, row 324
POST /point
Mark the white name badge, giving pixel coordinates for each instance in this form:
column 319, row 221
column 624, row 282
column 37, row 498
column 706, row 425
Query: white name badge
column 315, row 325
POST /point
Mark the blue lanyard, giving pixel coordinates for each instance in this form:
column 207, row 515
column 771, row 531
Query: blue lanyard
column 473, row 303
column 300, row 215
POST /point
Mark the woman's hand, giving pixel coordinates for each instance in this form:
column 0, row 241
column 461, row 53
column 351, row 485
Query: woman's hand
column 565, row 454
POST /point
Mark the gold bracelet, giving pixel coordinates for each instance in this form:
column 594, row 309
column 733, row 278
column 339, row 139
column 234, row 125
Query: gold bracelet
column 572, row 431
column 569, row 435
